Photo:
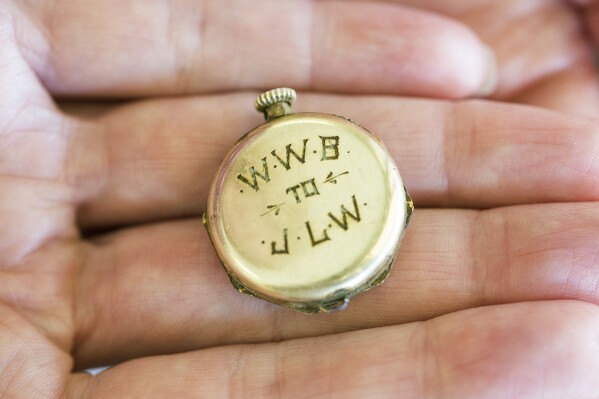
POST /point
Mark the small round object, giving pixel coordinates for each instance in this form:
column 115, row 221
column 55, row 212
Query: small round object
column 271, row 97
column 307, row 210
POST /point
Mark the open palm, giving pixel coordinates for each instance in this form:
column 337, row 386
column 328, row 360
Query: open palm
column 103, row 258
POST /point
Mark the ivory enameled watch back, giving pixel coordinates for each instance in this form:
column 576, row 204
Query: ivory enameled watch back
column 307, row 210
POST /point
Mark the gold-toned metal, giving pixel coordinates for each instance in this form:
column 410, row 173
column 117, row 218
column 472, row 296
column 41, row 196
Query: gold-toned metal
column 307, row 210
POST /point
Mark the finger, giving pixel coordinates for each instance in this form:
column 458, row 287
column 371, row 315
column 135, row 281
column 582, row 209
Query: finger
column 583, row 2
column 574, row 91
column 526, row 350
column 33, row 138
column 592, row 17
column 207, row 46
column 161, row 289
column 30, row 364
column 535, row 42
column 161, row 155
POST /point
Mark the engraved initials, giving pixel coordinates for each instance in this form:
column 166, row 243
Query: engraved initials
column 285, row 250
column 254, row 174
column 289, row 151
column 341, row 221
column 325, row 236
column 330, row 148
column 303, row 190
column 345, row 213
column 330, row 151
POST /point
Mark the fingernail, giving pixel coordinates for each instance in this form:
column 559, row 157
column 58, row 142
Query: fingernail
column 490, row 83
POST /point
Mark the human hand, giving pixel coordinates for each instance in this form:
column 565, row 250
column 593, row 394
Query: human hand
column 542, row 46
column 153, row 285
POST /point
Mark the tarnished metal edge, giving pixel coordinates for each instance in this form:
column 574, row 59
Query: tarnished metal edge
column 338, row 300
column 409, row 207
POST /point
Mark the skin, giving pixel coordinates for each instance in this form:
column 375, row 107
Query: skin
column 103, row 258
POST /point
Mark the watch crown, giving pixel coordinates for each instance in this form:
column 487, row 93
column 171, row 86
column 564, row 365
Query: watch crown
column 276, row 102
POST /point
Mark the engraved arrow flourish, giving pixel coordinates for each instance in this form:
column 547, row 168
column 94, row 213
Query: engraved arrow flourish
column 333, row 179
column 273, row 208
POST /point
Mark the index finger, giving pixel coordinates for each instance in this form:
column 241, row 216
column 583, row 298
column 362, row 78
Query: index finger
column 96, row 48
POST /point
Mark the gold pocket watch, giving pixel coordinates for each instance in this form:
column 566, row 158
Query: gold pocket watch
column 307, row 210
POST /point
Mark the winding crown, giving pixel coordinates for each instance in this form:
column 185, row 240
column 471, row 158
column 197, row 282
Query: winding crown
column 280, row 95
